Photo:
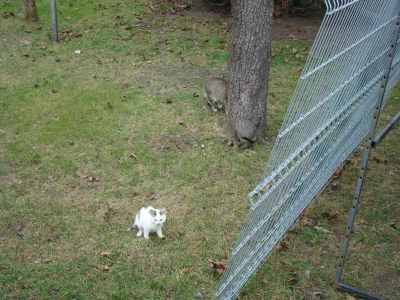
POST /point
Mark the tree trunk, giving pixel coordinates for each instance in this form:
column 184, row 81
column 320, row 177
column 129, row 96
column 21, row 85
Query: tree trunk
column 248, row 68
column 30, row 11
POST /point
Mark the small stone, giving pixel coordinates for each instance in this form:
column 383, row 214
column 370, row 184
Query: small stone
column 198, row 295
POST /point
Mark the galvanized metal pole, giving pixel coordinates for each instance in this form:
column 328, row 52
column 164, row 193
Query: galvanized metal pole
column 364, row 164
column 54, row 26
column 381, row 135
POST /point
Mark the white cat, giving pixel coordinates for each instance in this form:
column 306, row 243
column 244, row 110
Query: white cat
column 149, row 219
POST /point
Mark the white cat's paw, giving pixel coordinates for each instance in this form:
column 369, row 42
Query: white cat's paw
column 161, row 236
column 139, row 234
column 129, row 229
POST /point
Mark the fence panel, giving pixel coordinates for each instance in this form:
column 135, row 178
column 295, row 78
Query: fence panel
column 328, row 117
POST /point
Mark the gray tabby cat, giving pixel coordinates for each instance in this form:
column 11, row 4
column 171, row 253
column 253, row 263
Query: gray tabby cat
column 215, row 93
column 240, row 132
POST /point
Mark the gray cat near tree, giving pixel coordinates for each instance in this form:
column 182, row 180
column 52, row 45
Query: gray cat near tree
column 148, row 220
column 239, row 131
column 215, row 93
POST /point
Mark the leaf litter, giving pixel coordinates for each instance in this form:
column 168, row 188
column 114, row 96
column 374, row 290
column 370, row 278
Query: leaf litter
column 218, row 267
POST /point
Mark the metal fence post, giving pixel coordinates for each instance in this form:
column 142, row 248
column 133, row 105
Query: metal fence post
column 364, row 164
column 54, row 26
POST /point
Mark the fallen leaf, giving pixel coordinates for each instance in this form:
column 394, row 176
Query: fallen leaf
column 28, row 31
column 133, row 154
column 354, row 160
column 109, row 105
column 294, row 50
column 20, row 232
column 262, row 277
column 216, row 266
column 105, row 253
column 249, row 153
column 93, row 179
column 282, row 247
column 67, row 18
column 319, row 228
column 149, row 196
column 106, row 268
column 329, row 216
column 81, row 173
column 337, row 172
column 78, row 51
column 180, row 122
column 168, row 101
column 54, row 291
column 348, row 297
column 307, row 273
column 198, row 295
column 294, row 277
column 304, row 221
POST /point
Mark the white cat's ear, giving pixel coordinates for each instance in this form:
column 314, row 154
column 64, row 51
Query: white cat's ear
column 163, row 211
column 153, row 212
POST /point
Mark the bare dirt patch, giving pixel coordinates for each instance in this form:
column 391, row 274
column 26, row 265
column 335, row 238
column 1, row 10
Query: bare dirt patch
column 301, row 26
column 167, row 142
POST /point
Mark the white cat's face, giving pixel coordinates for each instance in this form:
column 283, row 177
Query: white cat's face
column 158, row 216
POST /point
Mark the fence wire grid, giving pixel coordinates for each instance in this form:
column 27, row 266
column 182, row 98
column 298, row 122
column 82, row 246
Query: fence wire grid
column 328, row 117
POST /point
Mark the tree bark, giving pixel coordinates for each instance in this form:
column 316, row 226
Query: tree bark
column 248, row 65
column 30, row 11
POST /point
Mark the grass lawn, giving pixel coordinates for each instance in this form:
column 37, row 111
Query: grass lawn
column 107, row 120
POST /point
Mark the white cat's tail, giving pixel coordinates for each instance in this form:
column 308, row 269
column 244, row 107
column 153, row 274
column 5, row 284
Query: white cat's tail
column 134, row 223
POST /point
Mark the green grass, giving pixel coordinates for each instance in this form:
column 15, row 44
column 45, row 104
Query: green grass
column 60, row 111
